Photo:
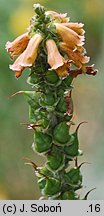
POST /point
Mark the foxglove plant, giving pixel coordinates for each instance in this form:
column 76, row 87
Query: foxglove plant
column 52, row 49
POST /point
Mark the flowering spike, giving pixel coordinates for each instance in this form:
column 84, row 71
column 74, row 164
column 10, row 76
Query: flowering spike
column 50, row 48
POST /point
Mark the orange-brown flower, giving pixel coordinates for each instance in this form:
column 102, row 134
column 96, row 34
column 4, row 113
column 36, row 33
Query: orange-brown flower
column 28, row 57
column 18, row 45
column 55, row 60
column 69, row 36
column 30, row 54
column 77, row 27
column 58, row 16
column 78, row 58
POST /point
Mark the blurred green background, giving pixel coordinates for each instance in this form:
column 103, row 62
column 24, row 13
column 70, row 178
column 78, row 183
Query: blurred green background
column 18, row 181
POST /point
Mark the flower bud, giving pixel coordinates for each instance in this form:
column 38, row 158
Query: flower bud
column 39, row 9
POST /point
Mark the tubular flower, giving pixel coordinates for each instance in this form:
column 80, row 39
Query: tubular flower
column 18, row 45
column 77, row 27
column 58, row 16
column 69, row 36
column 30, row 54
column 28, row 57
column 77, row 57
column 55, row 60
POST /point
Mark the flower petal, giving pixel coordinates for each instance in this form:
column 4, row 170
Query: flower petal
column 17, row 66
column 77, row 27
column 78, row 58
column 18, row 45
column 31, row 51
column 55, row 60
column 61, row 17
column 69, row 36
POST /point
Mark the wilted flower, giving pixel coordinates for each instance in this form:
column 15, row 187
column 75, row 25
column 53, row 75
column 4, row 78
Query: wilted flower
column 69, row 36
column 77, row 57
column 18, row 45
column 28, row 57
column 55, row 60
column 58, row 16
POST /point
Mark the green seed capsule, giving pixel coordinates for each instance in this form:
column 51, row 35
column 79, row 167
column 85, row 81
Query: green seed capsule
column 74, row 177
column 61, row 133
column 69, row 195
column 46, row 172
column 43, row 141
column 68, row 117
column 33, row 79
column 52, row 187
column 72, row 150
column 67, row 81
column 52, row 77
column 47, row 100
column 56, row 160
column 61, row 106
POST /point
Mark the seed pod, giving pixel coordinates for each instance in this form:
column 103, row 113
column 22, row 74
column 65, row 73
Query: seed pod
column 47, row 100
column 55, row 160
column 45, row 172
column 51, row 77
column 61, row 133
column 74, row 177
column 69, row 195
column 61, row 106
column 53, row 186
column 43, row 142
column 34, row 79
column 67, row 81
column 68, row 117
column 73, row 150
